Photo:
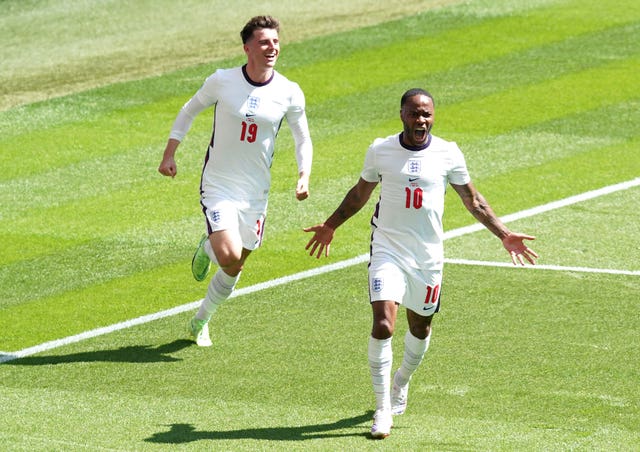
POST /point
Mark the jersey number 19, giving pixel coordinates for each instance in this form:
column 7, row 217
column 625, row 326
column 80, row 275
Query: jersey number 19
column 249, row 132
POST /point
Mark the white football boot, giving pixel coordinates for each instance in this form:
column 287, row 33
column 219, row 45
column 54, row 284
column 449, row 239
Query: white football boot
column 382, row 423
column 199, row 332
column 399, row 396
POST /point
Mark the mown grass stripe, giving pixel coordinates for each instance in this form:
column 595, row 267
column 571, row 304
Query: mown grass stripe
column 9, row 356
column 468, row 44
column 556, row 98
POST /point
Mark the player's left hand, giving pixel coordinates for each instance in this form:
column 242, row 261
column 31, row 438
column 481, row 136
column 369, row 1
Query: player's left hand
column 514, row 244
column 302, row 188
column 321, row 240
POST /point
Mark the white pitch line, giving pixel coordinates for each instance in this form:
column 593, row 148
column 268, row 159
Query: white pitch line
column 547, row 207
column 544, row 267
column 9, row 356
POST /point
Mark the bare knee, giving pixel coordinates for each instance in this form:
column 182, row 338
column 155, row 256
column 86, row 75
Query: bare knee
column 384, row 319
column 420, row 332
column 382, row 329
column 230, row 261
column 228, row 249
column 419, row 326
column 230, row 256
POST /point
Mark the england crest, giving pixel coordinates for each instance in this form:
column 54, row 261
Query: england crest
column 253, row 103
column 214, row 215
column 414, row 166
column 376, row 284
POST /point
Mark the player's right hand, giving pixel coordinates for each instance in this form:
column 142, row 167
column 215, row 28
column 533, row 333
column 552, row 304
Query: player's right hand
column 168, row 167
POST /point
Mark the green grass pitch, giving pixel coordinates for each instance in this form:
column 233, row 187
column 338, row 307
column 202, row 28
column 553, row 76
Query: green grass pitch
column 542, row 97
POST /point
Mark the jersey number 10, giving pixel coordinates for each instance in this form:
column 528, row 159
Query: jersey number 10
column 413, row 198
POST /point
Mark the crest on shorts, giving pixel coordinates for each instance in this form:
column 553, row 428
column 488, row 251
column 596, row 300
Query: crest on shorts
column 214, row 216
column 376, row 284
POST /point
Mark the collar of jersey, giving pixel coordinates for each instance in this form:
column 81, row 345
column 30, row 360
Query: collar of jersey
column 246, row 77
column 414, row 148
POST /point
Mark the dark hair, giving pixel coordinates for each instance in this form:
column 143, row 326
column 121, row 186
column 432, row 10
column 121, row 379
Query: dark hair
column 415, row 92
column 256, row 23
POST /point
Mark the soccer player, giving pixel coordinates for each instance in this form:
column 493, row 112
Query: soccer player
column 250, row 104
column 414, row 169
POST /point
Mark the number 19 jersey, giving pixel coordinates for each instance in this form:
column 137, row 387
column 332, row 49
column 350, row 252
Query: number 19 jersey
column 247, row 119
column 407, row 222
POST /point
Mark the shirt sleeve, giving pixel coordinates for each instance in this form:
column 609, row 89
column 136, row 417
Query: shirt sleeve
column 185, row 118
column 458, row 174
column 202, row 99
column 369, row 171
column 297, row 119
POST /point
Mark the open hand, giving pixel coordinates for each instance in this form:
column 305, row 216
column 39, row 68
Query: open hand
column 321, row 240
column 514, row 244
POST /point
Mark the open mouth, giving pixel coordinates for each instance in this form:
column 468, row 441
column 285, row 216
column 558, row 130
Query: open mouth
column 420, row 134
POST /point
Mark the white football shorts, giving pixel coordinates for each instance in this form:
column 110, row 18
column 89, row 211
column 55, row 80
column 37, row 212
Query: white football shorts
column 224, row 215
column 417, row 290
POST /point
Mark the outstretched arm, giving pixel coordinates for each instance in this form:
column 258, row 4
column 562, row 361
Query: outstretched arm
column 513, row 242
column 355, row 199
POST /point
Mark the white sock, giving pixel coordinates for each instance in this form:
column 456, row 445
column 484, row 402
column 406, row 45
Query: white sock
column 220, row 287
column 414, row 351
column 380, row 362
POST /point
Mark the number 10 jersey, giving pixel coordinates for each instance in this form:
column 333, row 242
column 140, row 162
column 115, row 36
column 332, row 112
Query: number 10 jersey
column 407, row 222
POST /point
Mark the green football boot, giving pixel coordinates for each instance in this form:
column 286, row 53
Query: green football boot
column 200, row 264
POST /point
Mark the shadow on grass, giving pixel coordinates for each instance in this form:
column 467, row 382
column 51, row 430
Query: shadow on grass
column 187, row 433
column 132, row 354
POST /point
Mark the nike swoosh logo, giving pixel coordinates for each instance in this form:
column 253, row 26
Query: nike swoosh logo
column 249, row 115
column 413, row 179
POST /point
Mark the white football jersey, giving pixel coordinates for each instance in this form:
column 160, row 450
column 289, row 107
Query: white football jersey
column 246, row 122
column 407, row 222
